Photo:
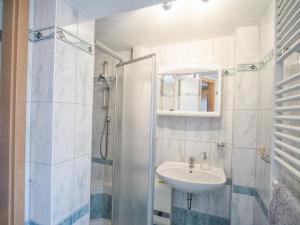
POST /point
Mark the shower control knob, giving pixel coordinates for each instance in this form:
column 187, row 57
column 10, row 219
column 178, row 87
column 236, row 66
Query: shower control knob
column 108, row 119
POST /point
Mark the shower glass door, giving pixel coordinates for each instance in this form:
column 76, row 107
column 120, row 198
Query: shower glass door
column 134, row 142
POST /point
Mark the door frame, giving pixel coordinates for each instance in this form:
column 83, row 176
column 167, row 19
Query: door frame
column 13, row 82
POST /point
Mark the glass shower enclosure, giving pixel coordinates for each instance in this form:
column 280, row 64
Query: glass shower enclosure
column 135, row 123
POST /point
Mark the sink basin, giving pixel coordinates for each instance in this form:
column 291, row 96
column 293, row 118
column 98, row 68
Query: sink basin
column 178, row 176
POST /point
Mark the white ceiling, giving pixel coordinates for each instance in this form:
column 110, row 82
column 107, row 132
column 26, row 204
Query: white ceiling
column 187, row 20
column 102, row 8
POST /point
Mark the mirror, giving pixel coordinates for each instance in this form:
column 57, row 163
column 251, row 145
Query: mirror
column 194, row 92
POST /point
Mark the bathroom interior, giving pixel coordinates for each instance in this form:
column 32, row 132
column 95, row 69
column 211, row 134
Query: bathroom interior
column 162, row 112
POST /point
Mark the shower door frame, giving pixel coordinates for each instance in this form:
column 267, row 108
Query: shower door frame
column 13, row 84
column 151, row 168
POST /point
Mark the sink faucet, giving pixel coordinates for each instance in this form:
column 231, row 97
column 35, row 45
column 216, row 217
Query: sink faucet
column 191, row 163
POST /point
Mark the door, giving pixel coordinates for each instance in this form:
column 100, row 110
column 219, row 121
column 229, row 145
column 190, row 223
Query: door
column 134, row 142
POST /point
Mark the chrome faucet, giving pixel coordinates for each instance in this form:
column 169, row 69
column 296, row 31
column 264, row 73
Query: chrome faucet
column 191, row 163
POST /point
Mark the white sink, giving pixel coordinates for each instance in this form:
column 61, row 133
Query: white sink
column 177, row 175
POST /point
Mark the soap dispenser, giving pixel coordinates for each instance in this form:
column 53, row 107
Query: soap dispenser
column 204, row 161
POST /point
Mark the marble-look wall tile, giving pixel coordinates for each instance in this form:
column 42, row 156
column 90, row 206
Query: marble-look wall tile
column 196, row 149
column 41, row 132
column 244, row 167
column 63, row 132
column 67, row 16
column 65, row 73
column 40, row 193
column 174, row 127
column 219, row 202
column 29, row 70
column 245, row 128
column 96, row 174
column 98, row 188
column 84, row 78
column 242, row 209
column 45, row 11
column 258, row 216
column 262, row 181
column 267, row 30
column 200, row 202
column 28, row 132
column 158, row 152
column 247, row 45
column 98, row 90
column 31, row 14
column 198, row 129
column 27, row 192
column 223, row 50
column 85, row 220
column 86, row 27
column 101, row 174
column 101, row 221
column 200, row 52
column 178, row 198
column 264, row 129
column 246, row 90
column 82, row 171
column 62, row 191
column 99, row 119
column 83, row 131
column 159, row 127
column 265, row 76
column 227, row 92
column 221, row 157
column 222, row 127
column 173, row 150
column 42, row 71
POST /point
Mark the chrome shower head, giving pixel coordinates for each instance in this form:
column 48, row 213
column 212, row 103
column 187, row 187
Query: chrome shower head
column 103, row 79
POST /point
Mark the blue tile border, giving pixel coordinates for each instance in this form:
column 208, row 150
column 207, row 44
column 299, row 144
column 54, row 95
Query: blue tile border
column 76, row 215
column 181, row 216
column 262, row 205
column 102, row 161
column 101, row 206
column 243, row 190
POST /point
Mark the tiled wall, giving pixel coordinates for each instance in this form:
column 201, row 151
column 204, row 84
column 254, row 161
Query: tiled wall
column 245, row 126
column 179, row 138
column 60, row 81
column 264, row 125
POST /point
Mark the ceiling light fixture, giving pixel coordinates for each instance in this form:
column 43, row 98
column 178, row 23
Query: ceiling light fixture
column 167, row 5
column 205, row 0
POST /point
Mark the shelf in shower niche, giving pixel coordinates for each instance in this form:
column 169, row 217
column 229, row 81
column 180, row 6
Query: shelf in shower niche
column 101, row 187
